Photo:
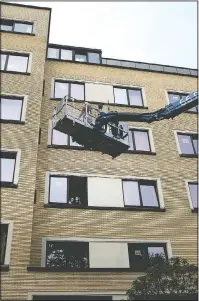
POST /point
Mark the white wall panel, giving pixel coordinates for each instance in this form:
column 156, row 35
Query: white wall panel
column 99, row 93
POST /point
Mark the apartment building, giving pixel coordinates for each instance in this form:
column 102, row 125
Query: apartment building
column 75, row 224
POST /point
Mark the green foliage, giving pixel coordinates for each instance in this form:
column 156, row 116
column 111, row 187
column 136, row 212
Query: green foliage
column 174, row 277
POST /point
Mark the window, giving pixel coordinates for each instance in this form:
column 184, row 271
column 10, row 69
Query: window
column 139, row 254
column 139, row 140
column 80, row 57
column 3, row 236
column 177, row 96
column 16, row 26
column 93, row 57
column 62, row 139
column 71, row 297
column 11, row 108
column 75, row 90
column 64, row 190
column 14, row 62
column 140, row 193
column 193, row 190
column 131, row 97
column 67, row 254
column 9, row 163
column 188, row 143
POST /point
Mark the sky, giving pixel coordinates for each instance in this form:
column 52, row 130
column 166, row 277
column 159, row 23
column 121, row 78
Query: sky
column 153, row 32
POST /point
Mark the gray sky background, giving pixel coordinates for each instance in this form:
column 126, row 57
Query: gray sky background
column 154, row 32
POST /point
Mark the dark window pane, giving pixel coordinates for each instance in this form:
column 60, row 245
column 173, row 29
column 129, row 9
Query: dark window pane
column 11, row 109
column 58, row 190
column 120, row 96
column 55, row 255
column 80, row 57
column 3, row 239
column 53, row 53
column 193, row 187
column 59, row 138
column 7, row 170
column 131, row 193
column 149, row 197
column 135, row 97
column 77, row 91
column 61, row 89
column 185, row 144
column 93, row 57
column 66, row 54
column 3, row 61
column 141, row 141
column 138, row 257
column 22, row 27
column 77, row 190
column 17, row 63
column 195, row 143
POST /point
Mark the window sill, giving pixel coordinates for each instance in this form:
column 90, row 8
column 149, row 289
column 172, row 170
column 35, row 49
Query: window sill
column 4, row 268
column 15, row 72
column 88, row 270
column 8, row 185
column 84, row 148
column 195, row 210
column 188, row 156
column 18, row 32
column 66, row 206
column 12, row 121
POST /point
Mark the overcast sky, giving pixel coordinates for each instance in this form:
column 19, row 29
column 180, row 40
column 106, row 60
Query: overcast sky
column 154, row 32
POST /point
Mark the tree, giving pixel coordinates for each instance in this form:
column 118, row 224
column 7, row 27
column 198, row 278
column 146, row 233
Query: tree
column 166, row 279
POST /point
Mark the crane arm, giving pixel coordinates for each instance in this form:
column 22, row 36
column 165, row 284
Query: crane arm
column 170, row 111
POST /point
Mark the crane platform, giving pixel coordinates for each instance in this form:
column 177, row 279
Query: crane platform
column 69, row 118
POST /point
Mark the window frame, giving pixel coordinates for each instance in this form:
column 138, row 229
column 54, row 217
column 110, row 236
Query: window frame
column 142, row 182
column 180, row 93
column 69, row 88
column 128, row 98
column 17, row 53
column 8, row 242
column 151, row 147
column 187, row 182
column 185, row 133
column 12, row 154
column 24, row 99
column 16, row 22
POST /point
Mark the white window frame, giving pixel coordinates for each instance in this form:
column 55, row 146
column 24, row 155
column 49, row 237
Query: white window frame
column 149, row 130
column 65, row 174
column 9, row 240
column 12, row 51
column 103, row 240
column 116, row 295
column 188, row 192
column 24, row 103
column 176, row 132
column 17, row 162
column 69, row 79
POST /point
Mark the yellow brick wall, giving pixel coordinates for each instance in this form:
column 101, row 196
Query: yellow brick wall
column 32, row 222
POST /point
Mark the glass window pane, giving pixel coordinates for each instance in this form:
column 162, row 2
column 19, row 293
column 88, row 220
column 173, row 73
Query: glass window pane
column 141, row 141
column 173, row 97
column 185, row 144
column 10, row 109
column 55, row 255
column 53, row 53
column 59, row 138
column 131, row 193
column 194, row 109
column 6, row 27
column 195, row 143
column 149, row 197
column 66, row 54
column 3, row 239
column 73, row 143
column 93, row 57
column 120, row 96
column 3, row 61
column 17, row 63
column 156, row 250
column 77, row 91
column 22, row 27
column 80, row 57
column 61, row 89
column 135, row 97
column 194, row 194
column 7, row 170
column 58, row 190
